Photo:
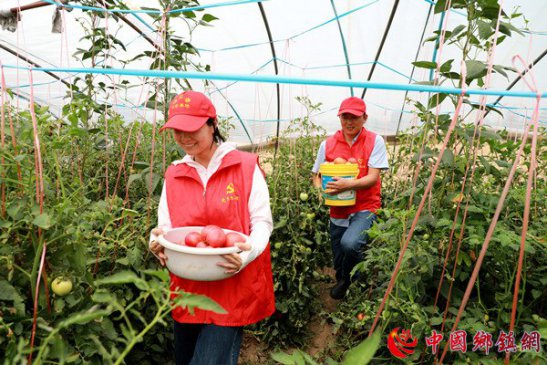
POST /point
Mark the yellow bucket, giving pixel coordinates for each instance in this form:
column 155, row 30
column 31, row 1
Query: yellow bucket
column 344, row 171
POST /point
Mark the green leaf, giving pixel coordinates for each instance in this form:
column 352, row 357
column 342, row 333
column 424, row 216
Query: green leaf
column 485, row 29
column 84, row 317
column 502, row 163
column 474, row 209
column 160, row 274
column 309, row 359
column 123, row 277
column 500, row 70
column 445, row 67
column 123, row 261
column 208, row 18
column 16, row 210
column 151, row 185
column 198, row 301
column 443, row 222
column 432, row 38
column 425, row 64
column 363, row 353
column 457, row 30
column 133, row 178
column 103, row 296
column 451, row 75
column 58, row 347
column 188, row 14
column 435, row 100
column 448, row 158
column 506, row 28
column 298, row 358
column 43, row 221
column 8, row 292
column 436, row 321
column 491, row 11
column 475, row 69
column 283, row 358
column 440, row 5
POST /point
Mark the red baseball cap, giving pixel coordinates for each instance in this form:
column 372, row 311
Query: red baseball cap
column 188, row 111
column 353, row 105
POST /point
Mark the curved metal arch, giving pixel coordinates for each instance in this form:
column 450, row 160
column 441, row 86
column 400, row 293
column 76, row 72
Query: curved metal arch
column 29, row 61
column 157, row 47
column 345, row 49
column 272, row 47
column 412, row 74
column 391, row 16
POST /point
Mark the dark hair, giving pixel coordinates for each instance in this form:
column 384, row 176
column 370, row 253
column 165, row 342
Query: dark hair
column 217, row 136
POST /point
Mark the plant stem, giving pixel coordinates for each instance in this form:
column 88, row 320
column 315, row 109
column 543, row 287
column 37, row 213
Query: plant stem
column 159, row 314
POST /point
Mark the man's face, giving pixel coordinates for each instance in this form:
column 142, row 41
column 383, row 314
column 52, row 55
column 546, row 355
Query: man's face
column 351, row 124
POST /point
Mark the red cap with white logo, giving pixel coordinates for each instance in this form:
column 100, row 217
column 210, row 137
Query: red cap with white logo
column 189, row 111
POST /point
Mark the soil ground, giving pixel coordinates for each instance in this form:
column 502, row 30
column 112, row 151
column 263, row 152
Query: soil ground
column 256, row 353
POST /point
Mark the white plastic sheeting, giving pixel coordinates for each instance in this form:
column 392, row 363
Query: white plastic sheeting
column 308, row 44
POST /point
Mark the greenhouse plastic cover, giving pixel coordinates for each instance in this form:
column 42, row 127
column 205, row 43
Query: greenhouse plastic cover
column 313, row 40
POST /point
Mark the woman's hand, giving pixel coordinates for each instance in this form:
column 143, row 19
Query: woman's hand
column 338, row 185
column 233, row 260
column 156, row 248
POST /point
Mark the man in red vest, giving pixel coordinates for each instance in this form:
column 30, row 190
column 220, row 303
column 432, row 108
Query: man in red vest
column 349, row 224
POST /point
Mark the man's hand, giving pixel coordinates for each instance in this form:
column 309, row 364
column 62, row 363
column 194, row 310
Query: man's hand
column 156, row 248
column 338, row 185
column 233, row 260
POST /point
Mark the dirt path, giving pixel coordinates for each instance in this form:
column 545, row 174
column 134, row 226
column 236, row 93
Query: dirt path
column 255, row 353
column 322, row 338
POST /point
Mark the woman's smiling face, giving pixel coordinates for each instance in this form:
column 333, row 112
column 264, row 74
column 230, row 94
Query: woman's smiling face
column 195, row 143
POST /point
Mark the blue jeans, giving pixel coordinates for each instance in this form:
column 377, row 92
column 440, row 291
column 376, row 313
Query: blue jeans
column 206, row 344
column 348, row 243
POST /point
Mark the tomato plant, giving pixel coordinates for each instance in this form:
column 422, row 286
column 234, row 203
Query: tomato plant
column 299, row 242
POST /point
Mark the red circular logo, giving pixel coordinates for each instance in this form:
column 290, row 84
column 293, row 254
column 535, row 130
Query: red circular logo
column 401, row 345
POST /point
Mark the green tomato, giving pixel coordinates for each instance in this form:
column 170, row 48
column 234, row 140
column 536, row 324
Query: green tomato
column 303, row 196
column 61, row 286
column 426, row 236
column 310, row 216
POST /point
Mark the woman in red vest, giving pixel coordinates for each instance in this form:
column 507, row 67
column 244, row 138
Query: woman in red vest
column 349, row 224
column 216, row 184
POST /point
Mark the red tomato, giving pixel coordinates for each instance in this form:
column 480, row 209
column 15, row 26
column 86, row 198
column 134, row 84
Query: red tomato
column 352, row 160
column 202, row 244
column 192, row 239
column 339, row 160
column 207, row 229
column 215, row 237
column 232, row 238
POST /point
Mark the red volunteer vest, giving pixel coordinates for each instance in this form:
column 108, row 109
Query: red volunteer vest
column 248, row 296
column 361, row 149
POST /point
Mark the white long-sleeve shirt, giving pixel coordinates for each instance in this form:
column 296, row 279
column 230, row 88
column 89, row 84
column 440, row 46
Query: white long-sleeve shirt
column 259, row 201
